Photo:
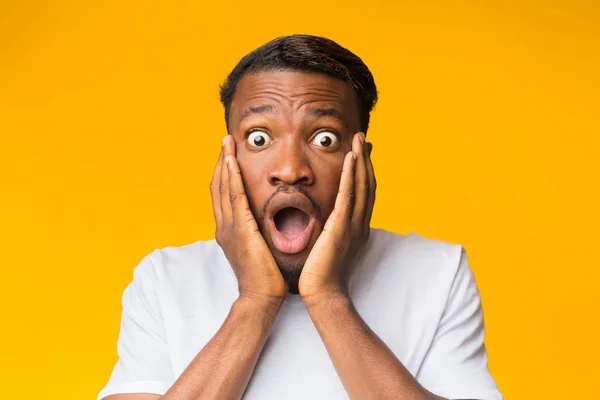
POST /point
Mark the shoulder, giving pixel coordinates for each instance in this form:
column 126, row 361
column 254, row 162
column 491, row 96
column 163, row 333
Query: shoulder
column 188, row 254
column 414, row 251
column 407, row 264
column 185, row 263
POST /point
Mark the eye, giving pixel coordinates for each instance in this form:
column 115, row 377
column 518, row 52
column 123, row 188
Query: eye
column 325, row 139
column 259, row 138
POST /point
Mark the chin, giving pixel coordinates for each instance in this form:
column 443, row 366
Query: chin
column 290, row 222
column 291, row 265
column 291, row 268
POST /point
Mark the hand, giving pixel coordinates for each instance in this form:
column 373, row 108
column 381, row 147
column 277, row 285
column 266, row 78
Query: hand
column 346, row 231
column 259, row 278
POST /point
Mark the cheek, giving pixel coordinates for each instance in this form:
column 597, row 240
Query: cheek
column 252, row 166
column 329, row 176
column 254, row 176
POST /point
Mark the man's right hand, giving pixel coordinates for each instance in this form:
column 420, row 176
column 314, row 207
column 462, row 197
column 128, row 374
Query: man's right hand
column 259, row 278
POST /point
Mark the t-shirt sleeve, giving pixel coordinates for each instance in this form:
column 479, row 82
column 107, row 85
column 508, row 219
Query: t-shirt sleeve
column 456, row 366
column 144, row 365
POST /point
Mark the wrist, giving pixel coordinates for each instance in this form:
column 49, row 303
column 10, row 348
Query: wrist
column 327, row 299
column 255, row 303
column 332, row 312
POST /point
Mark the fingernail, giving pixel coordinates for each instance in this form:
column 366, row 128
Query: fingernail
column 224, row 139
column 362, row 137
column 227, row 160
column 354, row 156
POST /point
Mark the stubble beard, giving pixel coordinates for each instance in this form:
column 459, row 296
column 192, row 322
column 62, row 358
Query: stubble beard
column 291, row 274
column 290, row 270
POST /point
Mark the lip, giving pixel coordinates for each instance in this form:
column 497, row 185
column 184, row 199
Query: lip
column 284, row 243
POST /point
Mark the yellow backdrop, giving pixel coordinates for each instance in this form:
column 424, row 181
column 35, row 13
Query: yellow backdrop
column 486, row 134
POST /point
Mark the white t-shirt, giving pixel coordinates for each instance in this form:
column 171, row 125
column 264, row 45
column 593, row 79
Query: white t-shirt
column 418, row 295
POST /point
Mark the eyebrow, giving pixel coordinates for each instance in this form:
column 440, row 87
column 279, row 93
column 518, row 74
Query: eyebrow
column 315, row 112
column 263, row 109
column 327, row 112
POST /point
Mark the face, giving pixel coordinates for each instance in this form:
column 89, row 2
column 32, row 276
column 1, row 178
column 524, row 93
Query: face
column 292, row 131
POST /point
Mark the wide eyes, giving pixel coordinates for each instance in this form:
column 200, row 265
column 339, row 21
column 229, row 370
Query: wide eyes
column 325, row 139
column 259, row 138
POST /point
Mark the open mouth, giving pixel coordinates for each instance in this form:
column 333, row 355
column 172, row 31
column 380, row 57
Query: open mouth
column 291, row 230
column 291, row 221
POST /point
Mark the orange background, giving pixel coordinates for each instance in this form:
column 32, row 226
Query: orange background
column 486, row 134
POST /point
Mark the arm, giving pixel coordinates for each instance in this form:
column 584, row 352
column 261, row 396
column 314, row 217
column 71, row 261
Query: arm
column 456, row 365
column 366, row 366
column 222, row 369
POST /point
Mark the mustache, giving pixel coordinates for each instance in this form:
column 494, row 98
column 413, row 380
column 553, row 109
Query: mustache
column 290, row 188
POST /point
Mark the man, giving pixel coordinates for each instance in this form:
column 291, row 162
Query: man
column 298, row 298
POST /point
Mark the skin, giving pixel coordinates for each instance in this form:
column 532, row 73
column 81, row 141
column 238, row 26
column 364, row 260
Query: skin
column 341, row 180
column 292, row 159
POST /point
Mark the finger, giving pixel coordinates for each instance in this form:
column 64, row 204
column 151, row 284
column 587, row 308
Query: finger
column 361, row 183
column 237, row 195
column 344, row 200
column 226, row 211
column 372, row 189
column 214, row 191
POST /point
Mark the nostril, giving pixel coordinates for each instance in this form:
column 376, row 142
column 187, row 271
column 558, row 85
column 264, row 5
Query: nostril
column 300, row 181
column 291, row 174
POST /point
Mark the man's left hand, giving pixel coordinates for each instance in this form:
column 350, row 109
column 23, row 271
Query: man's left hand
column 346, row 231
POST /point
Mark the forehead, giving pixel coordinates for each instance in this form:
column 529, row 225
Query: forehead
column 292, row 90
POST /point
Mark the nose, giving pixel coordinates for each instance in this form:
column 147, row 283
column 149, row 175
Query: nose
column 291, row 166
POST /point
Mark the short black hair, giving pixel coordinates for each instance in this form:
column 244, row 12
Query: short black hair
column 311, row 54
